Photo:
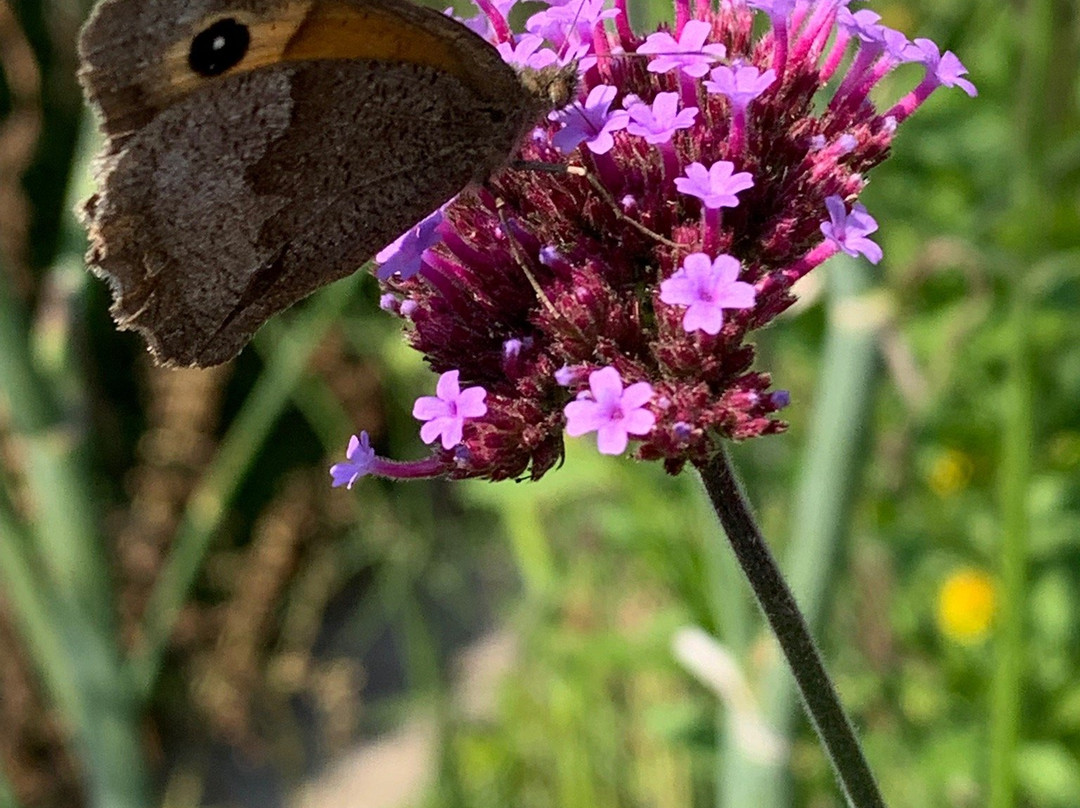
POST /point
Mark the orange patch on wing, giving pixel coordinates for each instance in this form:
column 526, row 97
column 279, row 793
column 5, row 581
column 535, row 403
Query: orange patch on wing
column 340, row 31
column 305, row 30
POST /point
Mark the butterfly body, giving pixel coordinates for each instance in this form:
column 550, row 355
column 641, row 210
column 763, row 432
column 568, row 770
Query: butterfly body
column 259, row 151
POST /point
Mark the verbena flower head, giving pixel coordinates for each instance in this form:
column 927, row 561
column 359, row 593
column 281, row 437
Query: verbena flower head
column 709, row 168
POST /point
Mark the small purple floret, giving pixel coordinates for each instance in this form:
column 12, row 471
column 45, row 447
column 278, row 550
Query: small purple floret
column 359, row 461
column 945, row 68
column 707, row 287
column 740, row 84
column 715, row 186
column 657, row 122
column 590, row 123
column 529, row 52
column 446, row 411
column 688, row 53
column 848, row 231
column 609, row 410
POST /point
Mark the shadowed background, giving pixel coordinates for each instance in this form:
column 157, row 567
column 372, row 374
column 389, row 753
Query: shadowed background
column 475, row 645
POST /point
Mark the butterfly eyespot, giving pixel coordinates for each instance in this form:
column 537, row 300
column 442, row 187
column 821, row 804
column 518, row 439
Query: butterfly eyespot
column 219, row 47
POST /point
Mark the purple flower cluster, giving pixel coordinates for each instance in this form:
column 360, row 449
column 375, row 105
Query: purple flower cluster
column 709, row 169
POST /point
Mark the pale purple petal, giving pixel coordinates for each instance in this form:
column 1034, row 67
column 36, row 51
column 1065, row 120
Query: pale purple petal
column 611, row 438
column 471, row 402
column 639, row 421
column 426, row 408
column 447, row 387
column 707, row 317
column 636, row 395
column 605, row 384
column 404, row 256
column 583, row 416
column 949, row 72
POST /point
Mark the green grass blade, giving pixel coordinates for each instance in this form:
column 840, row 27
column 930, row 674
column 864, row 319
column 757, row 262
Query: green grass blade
column 1014, row 480
column 209, row 501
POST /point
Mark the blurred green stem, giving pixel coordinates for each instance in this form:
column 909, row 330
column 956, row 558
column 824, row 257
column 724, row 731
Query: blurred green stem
column 207, row 505
column 55, row 577
column 71, row 549
column 1045, row 79
column 7, row 796
column 830, row 470
column 782, row 612
column 1015, row 474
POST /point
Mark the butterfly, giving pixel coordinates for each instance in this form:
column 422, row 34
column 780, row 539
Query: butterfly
column 257, row 151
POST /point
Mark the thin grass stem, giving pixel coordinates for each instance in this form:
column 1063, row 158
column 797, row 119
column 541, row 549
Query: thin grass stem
column 218, row 486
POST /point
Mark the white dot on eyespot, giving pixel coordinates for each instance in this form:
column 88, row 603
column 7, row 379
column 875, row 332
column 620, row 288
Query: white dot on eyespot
column 218, row 44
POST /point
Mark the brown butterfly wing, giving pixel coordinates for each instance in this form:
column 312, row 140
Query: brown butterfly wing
column 243, row 196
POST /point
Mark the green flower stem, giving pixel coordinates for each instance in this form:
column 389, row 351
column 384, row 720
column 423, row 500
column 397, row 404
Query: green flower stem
column 782, row 612
column 1015, row 476
column 209, row 501
column 833, row 459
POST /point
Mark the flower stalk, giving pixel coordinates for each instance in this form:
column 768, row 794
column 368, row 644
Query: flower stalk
column 782, row 612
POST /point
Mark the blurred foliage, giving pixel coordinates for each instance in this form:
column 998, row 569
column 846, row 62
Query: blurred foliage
column 258, row 623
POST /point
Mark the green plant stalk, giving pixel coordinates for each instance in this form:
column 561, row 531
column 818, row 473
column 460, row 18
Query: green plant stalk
column 832, row 463
column 61, row 557
column 1044, row 78
column 734, row 621
column 7, row 793
column 80, row 674
column 822, row 704
column 1015, row 476
column 70, row 548
column 216, row 488
column 532, row 550
column 28, row 597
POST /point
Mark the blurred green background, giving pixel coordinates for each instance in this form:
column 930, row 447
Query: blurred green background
column 190, row 616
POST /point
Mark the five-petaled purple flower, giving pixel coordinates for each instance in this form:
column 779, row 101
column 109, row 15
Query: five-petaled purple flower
column 689, row 52
column 707, row 287
column 944, row 68
column 590, row 123
column 359, row 461
column 741, row 84
column 716, row 185
column 528, row 51
column 848, row 231
column 658, row 121
column 446, row 411
column 610, row 411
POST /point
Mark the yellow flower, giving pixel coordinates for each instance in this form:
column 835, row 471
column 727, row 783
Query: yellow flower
column 965, row 605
